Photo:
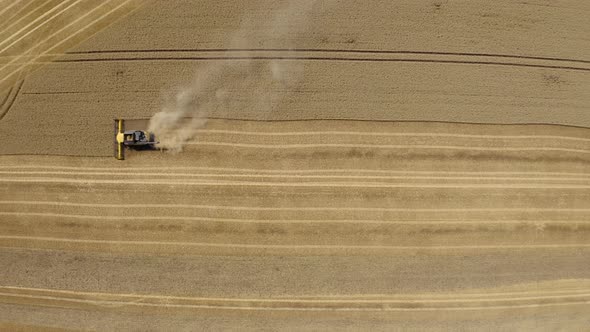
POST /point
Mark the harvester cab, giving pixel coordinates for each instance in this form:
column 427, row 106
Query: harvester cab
column 137, row 138
column 131, row 139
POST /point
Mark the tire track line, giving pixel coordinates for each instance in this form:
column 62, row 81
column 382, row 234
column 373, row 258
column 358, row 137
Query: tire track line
column 540, row 294
column 274, row 171
column 71, row 156
column 313, row 50
column 38, row 26
column 17, row 13
column 118, row 304
column 288, row 221
column 10, row 101
column 295, row 176
column 29, row 51
column 290, row 184
column 377, row 146
column 68, row 37
column 282, row 208
column 21, row 18
column 6, row 98
column 483, row 124
column 24, row 17
column 182, row 244
column 164, row 300
column 405, row 134
column 312, row 58
column 563, row 292
column 5, row 9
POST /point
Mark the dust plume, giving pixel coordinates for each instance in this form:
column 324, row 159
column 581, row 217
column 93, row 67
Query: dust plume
column 216, row 86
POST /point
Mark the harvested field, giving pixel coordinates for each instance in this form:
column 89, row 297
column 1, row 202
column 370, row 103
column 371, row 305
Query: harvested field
column 415, row 165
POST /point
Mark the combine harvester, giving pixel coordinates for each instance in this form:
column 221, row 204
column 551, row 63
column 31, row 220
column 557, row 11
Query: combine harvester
column 131, row 139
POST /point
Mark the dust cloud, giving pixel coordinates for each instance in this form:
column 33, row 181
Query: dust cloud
column 214, row 86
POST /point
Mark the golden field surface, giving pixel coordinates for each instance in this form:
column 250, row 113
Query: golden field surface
column 382, row 165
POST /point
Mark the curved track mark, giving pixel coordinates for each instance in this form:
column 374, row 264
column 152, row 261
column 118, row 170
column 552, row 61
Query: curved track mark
column 9, row 101
column 328, row 51
column 311, row 58
column 6, row 97
column 433, row 297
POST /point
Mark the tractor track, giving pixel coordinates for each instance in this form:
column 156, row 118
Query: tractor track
column 114, row 301
column 349, row 146
column 383, row 146
column 40, row 48
column 298, row 177
column 295, row 209
column 26, row 32
column 10, row 98
column 346, row 55
column 15, row 13
column 388, row 134
column 220, row 183
column 425, row 222
column 23, row 17
column 261, row 171
column 314, row 50
column 6, row 97
column 332, row 120
column 312, row 58
column 62, row 41
column 208, row 248
column 377, row 141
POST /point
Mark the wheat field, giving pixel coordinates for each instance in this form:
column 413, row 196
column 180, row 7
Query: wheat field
column 384, row 165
